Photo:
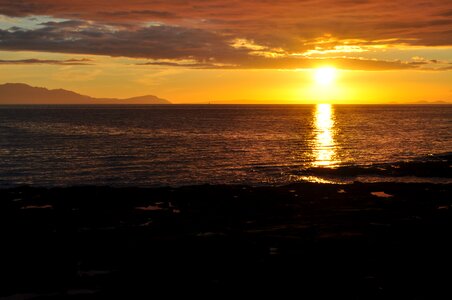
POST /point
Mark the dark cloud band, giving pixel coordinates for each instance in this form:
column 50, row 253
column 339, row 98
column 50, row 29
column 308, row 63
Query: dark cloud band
column 35, row 61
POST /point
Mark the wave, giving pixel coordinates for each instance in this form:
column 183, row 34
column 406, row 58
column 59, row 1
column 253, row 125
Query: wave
column 430, row 168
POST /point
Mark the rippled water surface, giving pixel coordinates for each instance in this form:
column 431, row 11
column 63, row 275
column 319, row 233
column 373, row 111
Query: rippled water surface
column 180, row 144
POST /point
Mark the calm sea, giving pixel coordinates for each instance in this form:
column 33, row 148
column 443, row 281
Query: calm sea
column 182, row 144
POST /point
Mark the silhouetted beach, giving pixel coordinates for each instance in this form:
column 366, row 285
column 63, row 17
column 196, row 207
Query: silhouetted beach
column 355, row 241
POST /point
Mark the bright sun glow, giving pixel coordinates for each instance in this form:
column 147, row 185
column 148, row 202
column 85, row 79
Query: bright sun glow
column 325, row 75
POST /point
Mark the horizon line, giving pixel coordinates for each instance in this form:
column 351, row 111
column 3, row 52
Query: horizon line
column 207, row 104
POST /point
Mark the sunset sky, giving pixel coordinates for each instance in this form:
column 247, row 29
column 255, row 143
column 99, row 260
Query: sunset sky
column 245, row 51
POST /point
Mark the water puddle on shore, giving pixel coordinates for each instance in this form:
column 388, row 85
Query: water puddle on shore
column 381, row 194
column 149, row 208
column 36, row 206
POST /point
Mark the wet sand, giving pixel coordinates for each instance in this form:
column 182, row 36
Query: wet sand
column 312, row 241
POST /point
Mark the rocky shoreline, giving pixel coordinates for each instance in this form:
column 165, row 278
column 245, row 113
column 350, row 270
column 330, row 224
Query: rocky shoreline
column 354, row 241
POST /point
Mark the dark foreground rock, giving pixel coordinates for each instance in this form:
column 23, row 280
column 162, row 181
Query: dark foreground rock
column 309, row 241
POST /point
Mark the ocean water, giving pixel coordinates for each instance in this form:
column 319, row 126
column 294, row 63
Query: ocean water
column 217, row 144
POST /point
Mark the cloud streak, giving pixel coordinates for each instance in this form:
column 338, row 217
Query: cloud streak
column 35, row 61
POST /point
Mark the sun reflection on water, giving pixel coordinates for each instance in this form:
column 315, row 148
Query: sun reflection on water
column 324, row 148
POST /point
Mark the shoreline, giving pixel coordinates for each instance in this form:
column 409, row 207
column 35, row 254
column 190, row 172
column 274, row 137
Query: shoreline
column 435, row 169
column 360, row 240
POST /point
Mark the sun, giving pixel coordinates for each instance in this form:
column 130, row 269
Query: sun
column 325, row 75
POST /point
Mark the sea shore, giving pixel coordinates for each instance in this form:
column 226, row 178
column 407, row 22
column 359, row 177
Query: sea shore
column 353, row 241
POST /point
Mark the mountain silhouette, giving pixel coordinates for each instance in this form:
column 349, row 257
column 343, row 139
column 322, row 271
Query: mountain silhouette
column 20, row 93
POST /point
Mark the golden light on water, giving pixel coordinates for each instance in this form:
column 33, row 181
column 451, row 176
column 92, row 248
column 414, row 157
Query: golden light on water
column 324, row 148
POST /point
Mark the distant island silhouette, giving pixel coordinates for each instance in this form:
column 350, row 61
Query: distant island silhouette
column 20, row 93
